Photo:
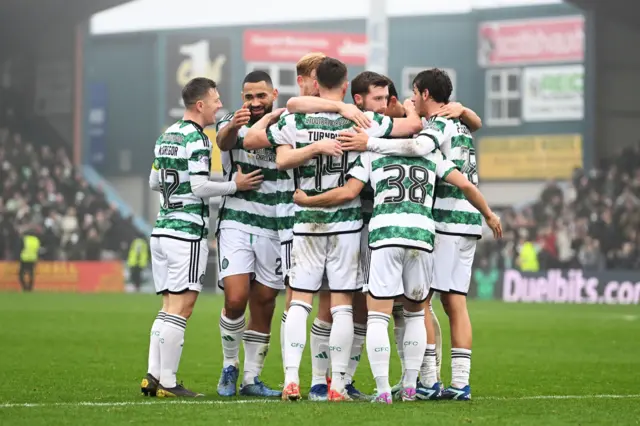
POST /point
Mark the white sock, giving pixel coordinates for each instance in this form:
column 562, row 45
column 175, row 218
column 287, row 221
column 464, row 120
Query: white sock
column 415, row 342
column 295, row 339
column 398, row 331
column 256, row 346
column 340, row 343
column 429, row 370
column 154, row 345
column 319, row 341
column 282, row 323
column 231, row 333
column 460, row 367
column 436, row 326
column 171, row 341
column 379, row 349
column 359, row 335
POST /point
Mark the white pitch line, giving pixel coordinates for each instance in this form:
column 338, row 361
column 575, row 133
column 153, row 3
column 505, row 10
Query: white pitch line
column 268, row 401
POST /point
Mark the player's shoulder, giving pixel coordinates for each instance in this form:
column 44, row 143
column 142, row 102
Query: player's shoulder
column 376, row 117
column 436, row 123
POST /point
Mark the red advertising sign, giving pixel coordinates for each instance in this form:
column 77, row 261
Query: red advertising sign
column 531, row 41
column 290, row 46
column 82, row 277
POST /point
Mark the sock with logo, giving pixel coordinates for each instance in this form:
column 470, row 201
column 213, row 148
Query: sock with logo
column 359, row 335
column 460, row 367
column 171, row 341
column 429, row 371
column 282, row 323
column 256, row 346
column 379, row 349
column 154, row 345
column 415, row 342
column 295, row 339
column 231, row 331
column 340, row 343
column 320, row 361
column 398, row 331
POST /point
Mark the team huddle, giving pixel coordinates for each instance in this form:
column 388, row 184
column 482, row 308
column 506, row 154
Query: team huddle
column 372, row 206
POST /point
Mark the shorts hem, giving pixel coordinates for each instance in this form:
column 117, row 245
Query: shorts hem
column 173, row 237
column 416, row 301
column 437, row 290
column 197, row 290
column 402, row 246
column 457, row 234
column 383, row 297
column 458, row 292
column 304, row 290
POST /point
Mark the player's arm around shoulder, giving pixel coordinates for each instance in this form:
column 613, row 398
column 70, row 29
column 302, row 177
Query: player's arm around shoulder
column 260, row 135
column 466, row 115
column 312, row 104
column 408, row 126
column 333, row 198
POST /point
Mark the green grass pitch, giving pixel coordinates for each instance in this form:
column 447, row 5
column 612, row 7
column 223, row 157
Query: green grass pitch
column 78, row 359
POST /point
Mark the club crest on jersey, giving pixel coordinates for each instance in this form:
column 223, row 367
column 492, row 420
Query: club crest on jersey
column 225, row 263
column 201, row 279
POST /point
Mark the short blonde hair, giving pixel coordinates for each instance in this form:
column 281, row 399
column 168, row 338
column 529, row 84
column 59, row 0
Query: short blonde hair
column 308, row 63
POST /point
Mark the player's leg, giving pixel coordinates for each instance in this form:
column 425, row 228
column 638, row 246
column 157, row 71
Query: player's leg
column 150, row 382
column 455, row 304
column 236, row 263
column 429, row 386
column 385, row 284
column 416, row 277
column 305, row 277
column 343, row 260
column 359, row 316
column 398, row 335
column 434, row 324
column 319, row 342
column 186, row 267
column 262, row 303
column 285, row 252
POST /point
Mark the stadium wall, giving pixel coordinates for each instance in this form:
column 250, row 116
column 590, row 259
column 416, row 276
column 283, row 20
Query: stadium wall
column 142, row 74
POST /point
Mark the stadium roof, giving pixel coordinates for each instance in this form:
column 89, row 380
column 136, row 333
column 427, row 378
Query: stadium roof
column 147, row 15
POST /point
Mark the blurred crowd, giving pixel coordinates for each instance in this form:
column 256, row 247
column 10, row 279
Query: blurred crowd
column 42, row 193
column 594, row 224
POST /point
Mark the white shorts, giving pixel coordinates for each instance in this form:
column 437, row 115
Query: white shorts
column 397, row 271
column 336, row 255
column 453, row 262
column 365, row 258
column 177, row 265
column 285, row 255
column 242, row 253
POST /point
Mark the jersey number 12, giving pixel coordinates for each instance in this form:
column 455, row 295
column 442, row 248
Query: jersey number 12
column 170, row 181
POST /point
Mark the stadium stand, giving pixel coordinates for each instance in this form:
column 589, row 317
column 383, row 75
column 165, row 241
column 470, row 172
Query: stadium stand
column 594, row 225
column 42, row 192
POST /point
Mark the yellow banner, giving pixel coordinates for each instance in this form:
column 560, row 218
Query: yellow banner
column 537, row 157
column 216, row 162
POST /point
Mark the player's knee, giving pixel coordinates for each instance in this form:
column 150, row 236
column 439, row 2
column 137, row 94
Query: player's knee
column 454, row 304
column 234, row 306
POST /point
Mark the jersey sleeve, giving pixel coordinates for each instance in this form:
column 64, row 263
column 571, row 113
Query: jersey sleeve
column 199, row 155
column 361, row 168
column 224, row 122
column 443, row 166
column 434, row 129
column 381, row 125
column 283, row 132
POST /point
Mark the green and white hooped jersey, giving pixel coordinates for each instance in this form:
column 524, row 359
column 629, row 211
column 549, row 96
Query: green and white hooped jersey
column 403, row 197
column 454, row 215
column 252, row 211
column 323, row 173
column 181, row 151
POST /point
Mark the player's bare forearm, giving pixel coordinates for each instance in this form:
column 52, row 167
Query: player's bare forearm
column 409, row 126
column 227, row 138
column 256, row 139
column 416, row 147
column 335, row 197
column 471, row 119
column 288, row 158
column 311, row 104
column 470, row 191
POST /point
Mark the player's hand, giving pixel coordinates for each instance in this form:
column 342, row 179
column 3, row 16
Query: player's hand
column 354, row 114
column 451, row 110
column 241, row 117
column 274, row 116
column 330, row 147
column 354, row 141
column 493, row 222
column 409, row 106
column 249, row 181
column 300, row 197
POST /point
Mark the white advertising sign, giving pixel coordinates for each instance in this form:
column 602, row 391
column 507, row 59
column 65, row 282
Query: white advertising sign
column 553, row 93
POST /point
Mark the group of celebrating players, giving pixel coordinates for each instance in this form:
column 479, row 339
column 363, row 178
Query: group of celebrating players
column 323, row 198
